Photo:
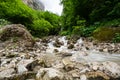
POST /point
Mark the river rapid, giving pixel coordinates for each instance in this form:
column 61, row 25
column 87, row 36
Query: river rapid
column 92, row 54
column 60, row 58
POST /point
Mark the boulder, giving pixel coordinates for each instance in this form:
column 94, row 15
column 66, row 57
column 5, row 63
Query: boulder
column 35, row 4
column 7, row 73
column 49, row 74
column 109, row 68
column 16, row 33
column 112, row 69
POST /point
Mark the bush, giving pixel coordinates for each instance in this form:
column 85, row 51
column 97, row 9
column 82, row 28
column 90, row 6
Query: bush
column 88, row 31
column 16, row 11
column 116, row 38
column 3, row 22
column 78, row 30
column 64, row 33
column 41, row 28
column 105, row 33
column 53, row 19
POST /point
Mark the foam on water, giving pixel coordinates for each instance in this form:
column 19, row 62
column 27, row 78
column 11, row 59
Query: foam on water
column 83, row 55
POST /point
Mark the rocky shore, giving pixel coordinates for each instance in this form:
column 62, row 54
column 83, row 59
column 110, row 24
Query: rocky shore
column 55, row 57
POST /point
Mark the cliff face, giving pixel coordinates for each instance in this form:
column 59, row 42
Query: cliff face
column 35, row 4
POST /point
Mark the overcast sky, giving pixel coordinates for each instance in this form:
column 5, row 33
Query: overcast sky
column 53, row 6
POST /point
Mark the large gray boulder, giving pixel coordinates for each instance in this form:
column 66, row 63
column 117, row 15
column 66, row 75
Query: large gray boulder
column 35, row 4
column 16, row 33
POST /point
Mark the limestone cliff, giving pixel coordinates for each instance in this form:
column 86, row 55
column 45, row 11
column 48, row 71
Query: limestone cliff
column 35, row 4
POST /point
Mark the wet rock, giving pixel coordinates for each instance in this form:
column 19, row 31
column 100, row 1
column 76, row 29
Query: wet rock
column 57, row 43
column 75, row 73
column 21, row 69
column 49, row 74
column 56, row 50
column 11, row 55
column 109, row 68
column 7, row 73
column 105, row 50
column 95, row 66
column 98, row 75
column 83, row 77
column 112, row 69
column 23, row 65
column 69, row 65
column 67, row 61
column 58, row 65
column 65, row 54
column 71, row 46
column 31, row 66
column 47, row 60
column 18, row 33
column 25, row 62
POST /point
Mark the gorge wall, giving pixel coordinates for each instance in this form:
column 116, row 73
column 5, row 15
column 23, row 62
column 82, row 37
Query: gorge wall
column 35, row 4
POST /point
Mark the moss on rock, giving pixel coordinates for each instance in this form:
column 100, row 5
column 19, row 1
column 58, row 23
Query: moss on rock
column 105, row 33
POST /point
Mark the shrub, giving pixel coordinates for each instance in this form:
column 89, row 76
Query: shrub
column 53, row 19
column 16, row 11
column 64, row 33
column 78, row 30
column 116, row 38
column 3, row 22
column 41, row 28
column 87, row 32
column 105, row 33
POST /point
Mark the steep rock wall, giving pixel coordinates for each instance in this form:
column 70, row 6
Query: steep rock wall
column 35, row 4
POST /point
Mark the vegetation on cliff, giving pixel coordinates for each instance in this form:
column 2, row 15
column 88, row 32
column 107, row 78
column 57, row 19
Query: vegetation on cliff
column 16, row 11
column 80, row 17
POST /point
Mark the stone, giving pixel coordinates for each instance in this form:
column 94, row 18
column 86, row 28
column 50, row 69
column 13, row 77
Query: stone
column 69, row 65
column 71, row 46
column 75, row 73
column 21, row 69
column 16, row 33
column 24, row 66
column 7, row 72
column 112, row 69
column 66, row 61
column 83, row 77
column 98, row 75
column 105, row 50
column 25, row 62
column 35, row 4
column 58, row 65
column 49, row 74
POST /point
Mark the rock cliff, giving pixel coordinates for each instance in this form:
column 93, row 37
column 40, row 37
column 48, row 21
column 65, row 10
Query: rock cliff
column 35, row 4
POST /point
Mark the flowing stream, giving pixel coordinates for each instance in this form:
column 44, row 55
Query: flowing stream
column 79, row 55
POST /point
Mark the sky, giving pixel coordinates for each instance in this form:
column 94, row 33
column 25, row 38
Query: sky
column 53, row 6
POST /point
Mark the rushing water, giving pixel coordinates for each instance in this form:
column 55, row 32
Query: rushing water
column 91, row 55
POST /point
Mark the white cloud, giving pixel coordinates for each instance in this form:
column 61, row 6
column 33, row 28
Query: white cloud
column 53, row 6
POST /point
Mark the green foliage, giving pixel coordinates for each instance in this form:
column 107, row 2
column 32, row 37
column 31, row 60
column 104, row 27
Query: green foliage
column 16, row 11
column 90, row 10
column 3, row 22
column 105, row 33
column 116, row 38
column 41, row 28
column 38, row 22
column 64, row 33
column 53, row 19
column 78, row 30
column 88, row 31
column 112, row 23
